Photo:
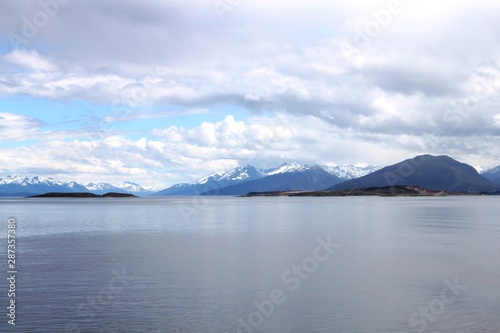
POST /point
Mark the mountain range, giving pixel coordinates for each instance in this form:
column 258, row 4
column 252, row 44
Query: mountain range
column 27, row 186
column 440, row 173
column 287, row 176
column 427, row 171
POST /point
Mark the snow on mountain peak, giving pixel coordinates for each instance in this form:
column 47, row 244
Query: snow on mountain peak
column 242, row 173
column 492, row 170
column 72, row 184
column 289, row 167
column 99, row 186
column 210, row 177
column 236, row 174
column 346, row 171
column 25, row 181
column 12, row 180
column 350, row 171
column 136, row 188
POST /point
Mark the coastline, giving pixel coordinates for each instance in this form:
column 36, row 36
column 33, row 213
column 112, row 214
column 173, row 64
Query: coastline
column 384, row 191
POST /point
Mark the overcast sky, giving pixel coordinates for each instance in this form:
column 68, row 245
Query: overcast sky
column 162, row 92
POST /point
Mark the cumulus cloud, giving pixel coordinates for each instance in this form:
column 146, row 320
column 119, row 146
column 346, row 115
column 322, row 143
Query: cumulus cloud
column 177, row 154
column 426, row 80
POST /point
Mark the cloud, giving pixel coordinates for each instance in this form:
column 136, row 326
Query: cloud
column 29, row 60
column 18, row 128
column 152, row 115
column 427, row 81
column 179, row 154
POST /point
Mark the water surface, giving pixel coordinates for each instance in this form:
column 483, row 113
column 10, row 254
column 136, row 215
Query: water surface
column 224, row 264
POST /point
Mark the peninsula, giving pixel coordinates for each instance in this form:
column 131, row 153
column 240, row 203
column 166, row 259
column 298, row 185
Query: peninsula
column 384, row 191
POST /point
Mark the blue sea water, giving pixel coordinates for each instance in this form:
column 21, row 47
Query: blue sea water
column 275, row 264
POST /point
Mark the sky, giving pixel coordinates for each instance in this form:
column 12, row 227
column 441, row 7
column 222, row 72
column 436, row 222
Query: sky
column 165, row 91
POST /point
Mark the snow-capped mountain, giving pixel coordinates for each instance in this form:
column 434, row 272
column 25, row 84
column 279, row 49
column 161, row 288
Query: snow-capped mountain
column 289, row 167
column 135, row 188
column 102, row 188
column 287, row 175
column 243, row 173
column 72, row 184
column 349, row 171
column 492, row 170
column 26, row 181
column 25, row 186
column 346, row 171
column 215, row 181
column 492, row 174
column 19, row 185
column 125, row 187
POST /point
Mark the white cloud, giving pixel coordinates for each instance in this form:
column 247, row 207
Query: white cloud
column 29, row 60
column 179, row 154
column 496, row 120
column 17, row 127
column 428, row 82
column 152, row 115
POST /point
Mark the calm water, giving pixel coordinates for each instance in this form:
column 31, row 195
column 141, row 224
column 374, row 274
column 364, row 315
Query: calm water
column 255, row 265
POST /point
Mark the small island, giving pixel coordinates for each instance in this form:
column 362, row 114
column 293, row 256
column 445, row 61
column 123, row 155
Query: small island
column 83, row 195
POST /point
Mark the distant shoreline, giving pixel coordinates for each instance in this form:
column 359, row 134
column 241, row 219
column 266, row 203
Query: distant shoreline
column 82, row 195
column 384, row 191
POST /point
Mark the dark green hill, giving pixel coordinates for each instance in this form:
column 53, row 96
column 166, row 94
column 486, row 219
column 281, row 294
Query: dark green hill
column 432, row 172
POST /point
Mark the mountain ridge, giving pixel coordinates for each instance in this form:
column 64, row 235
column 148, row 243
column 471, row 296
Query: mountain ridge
column 432, row 172
column 26, row 186
column 214, row 183
column 306, row 179
column 492, row 175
